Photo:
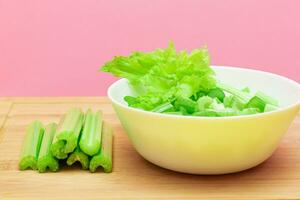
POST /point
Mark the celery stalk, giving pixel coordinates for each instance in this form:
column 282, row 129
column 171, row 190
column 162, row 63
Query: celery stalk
column 79, row 156
column 31, row 146
column 46, row 159
column 90, row 140
column 163, row 107
column 242, row 96
column 104, row 157
column 256, row 102
column 67, row 134
column 270, row 107
column 267, row 99
column 57, row 148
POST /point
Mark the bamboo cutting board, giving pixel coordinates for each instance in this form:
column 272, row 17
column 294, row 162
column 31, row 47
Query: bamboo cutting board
column 132, row 177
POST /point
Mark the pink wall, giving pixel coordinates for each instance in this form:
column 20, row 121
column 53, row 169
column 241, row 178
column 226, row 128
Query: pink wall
column 54, row 47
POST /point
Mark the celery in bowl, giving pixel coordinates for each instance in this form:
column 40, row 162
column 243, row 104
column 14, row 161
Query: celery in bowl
column 211, row 145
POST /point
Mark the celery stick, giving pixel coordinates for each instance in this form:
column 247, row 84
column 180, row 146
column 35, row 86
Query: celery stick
column 57, row 148
column 67, row 134
column 249, row 111
column 267, row 99
column 31, row 146
column 242, row 96
column 270, row 107
column 104, row 157
column 79, row 156
column 163, row 107
column 46, row 159
column 189, row 105
column 216, row 93
column 204, row 102
column 256, row 102
column 90, row 140
column 225, row 112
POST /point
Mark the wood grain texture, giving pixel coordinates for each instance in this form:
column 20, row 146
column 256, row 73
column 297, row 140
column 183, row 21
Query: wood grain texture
column 5, row 107
column 133, row 177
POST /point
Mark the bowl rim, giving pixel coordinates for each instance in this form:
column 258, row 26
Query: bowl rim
column 109, row 94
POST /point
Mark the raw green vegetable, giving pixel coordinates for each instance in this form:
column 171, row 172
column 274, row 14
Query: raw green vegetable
column 267, row 99
column 57, row 148
column 270, row 107
column 164, row 74
column 187, row 104
column 204, row 102
column 166, row 107
column 242, row 96
column 90, row 140
column 249, row 111
column 104, row 157
column 67, row 134
column 259, row 100
column 31, row 146
column 256, row 102
column 166, row 81
column 46, row 159
column 78, row 156
column 216, row 93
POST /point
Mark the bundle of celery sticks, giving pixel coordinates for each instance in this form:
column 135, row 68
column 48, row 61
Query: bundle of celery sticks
column 79, row 137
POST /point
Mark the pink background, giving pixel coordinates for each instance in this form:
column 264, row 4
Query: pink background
column 55, row 47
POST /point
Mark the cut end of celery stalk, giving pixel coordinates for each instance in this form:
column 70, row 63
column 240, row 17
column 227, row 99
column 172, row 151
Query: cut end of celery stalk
column 70, row 141
column 28, row 162
column 101, row 161
column 104, row 157
column 47, row 162
column 78, row 156
column 57, row 149
column 69, row 129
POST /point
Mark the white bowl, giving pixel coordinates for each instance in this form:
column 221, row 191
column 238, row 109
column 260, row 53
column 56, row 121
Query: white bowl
column 211, row 145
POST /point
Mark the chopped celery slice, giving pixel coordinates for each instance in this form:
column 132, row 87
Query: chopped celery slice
column 46, row 159
column 216, row 105
column 242, row 96
column 31, row 146
column 216, row 93
column 228, row 101
column 249, row 111
column 204, row 102
column 267, row 99
column 79, row 156
column 207, row 113
column 67, row 134
column 57, row 148
column 200, row 94
column 270, row 107
column 226, row 112
column 187, row 104
column 163, row 107
column 256, row 102
column 90, row 140
column 104, row 157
